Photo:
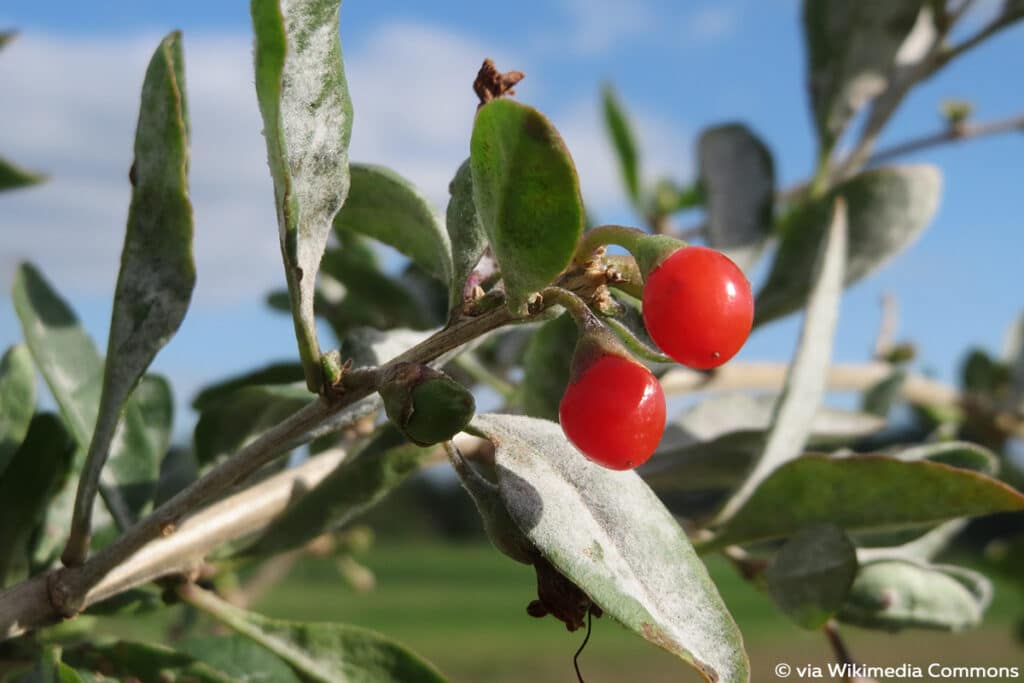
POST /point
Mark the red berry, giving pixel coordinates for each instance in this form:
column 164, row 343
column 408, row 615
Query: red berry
column 698, row 307
column 614, row 412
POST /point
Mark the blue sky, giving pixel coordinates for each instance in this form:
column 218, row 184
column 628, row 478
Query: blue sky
column 71, row 95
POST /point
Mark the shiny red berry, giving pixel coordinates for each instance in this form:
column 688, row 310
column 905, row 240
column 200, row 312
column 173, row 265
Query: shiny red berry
column 698, row 307
column 614, row 412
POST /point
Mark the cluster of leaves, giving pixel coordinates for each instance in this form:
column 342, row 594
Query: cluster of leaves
column 835, row 515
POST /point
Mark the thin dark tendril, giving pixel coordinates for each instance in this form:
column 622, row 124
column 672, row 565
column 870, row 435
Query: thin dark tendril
column 576, row 657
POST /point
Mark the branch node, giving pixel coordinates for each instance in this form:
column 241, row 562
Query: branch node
column 63, row 598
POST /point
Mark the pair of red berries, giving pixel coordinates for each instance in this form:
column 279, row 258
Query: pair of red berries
column 698, row 308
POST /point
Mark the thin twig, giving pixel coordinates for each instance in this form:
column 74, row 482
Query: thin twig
column 586, row 639
column 951, row 134
column 839, row 648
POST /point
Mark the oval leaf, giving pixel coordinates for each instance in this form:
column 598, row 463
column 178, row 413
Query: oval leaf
column 465, row 232
column 307, row 122
column 243, row 415
column 239, row 658
column 625, row 550
column 898, row 594
column 546, row 367
column 863, row 492
column 388, row 208
column 887, row 208
column 17, row 400
column 72, row 367
column 157, row 274
column 737, row 175
column 34, row 476
column 322, row 652
column 129, row 660
column 285, row 372
column 527, row 195
column 812, row 574
column 851, row 50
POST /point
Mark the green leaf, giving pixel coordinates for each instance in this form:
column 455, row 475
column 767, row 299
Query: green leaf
column 17, row 400
column 812, row 574
column 157, row 274
column 879, row 399
column 73, row 369
column 323, row 652
column 212, row 395
column 35, row 474
column 546, row 367
column 307, row 122
column 144, row 662
column 624, row 142
column 887, row 208
column 737, row 175
column 527, row 194
column 131, row 602
column 13, row 177
column 49, row 669
column 466, row 233
column 851, row 51
column 627, row 322
column 241, row 416
column 898, row 594
column 359, row 482
column 961, row 454
column 156, row 403
column 626, row 551
column 371, row 298
column 807, row 377
column 863, row 492
column 239, row 658
column 384, row 205
column 178, row 469
column 713, row 444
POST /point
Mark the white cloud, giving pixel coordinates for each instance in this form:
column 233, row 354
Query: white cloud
column 594, row 27
column 73, row 110
column 711, row 22
column 72, row 114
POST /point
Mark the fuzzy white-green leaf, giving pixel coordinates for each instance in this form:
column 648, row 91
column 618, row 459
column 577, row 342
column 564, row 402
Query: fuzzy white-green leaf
column 387, row 207
column 805, row 382
column 307, row 122
column 625, row 551
column 887, row 208
column 158, row 272
column 852, row 47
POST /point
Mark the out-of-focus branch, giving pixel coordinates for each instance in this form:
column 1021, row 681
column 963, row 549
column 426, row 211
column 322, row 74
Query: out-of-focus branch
column 952, row 134
column 27, row 605
column 772, row 376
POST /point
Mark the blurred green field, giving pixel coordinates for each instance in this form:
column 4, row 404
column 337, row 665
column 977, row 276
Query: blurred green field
column 463, row 608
